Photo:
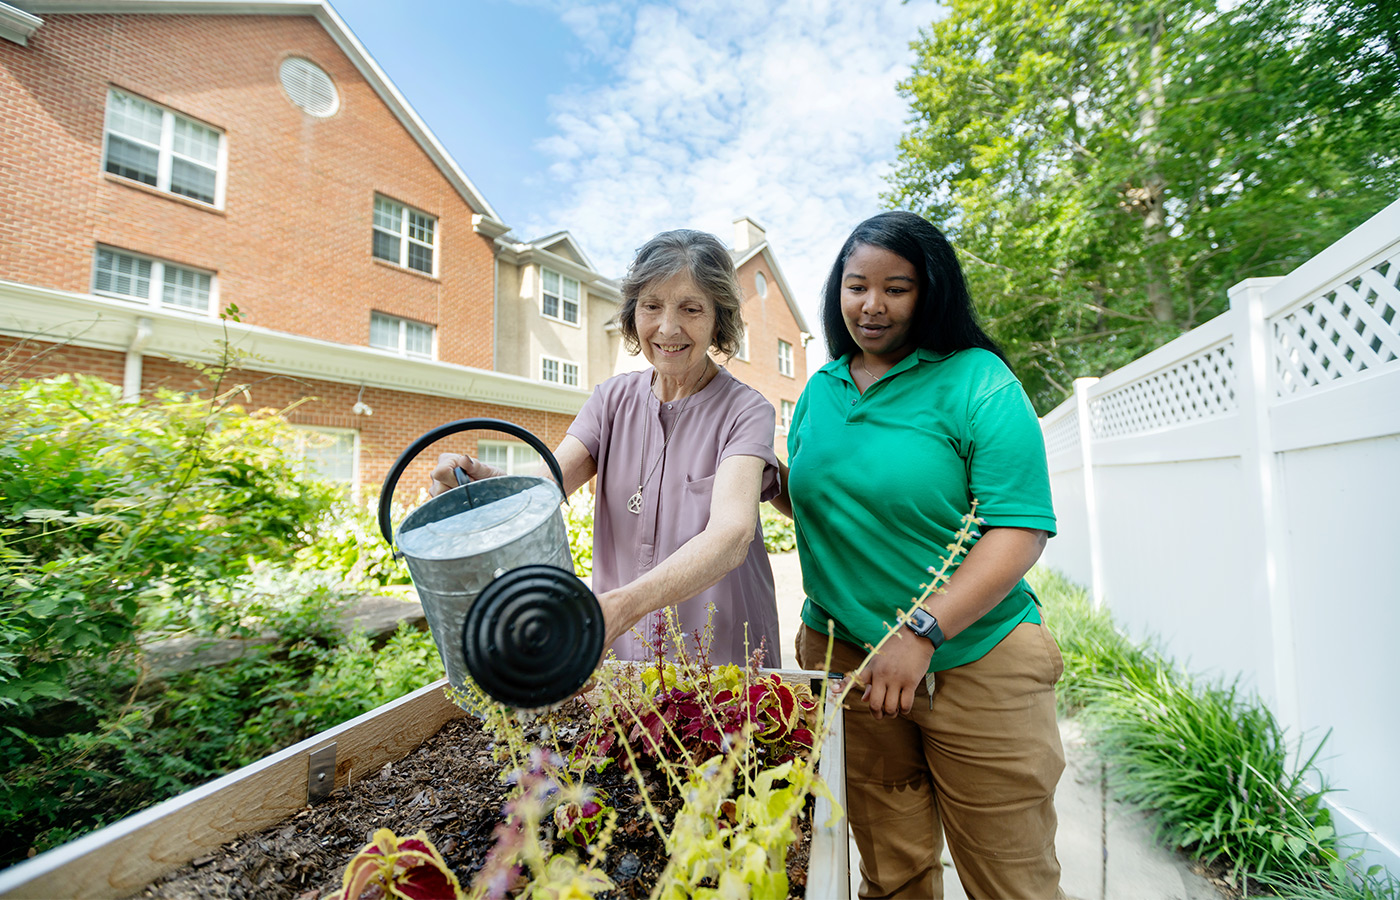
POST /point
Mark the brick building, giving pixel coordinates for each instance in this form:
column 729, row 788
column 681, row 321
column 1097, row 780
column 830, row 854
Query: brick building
column 162, row 161
column 773, row 359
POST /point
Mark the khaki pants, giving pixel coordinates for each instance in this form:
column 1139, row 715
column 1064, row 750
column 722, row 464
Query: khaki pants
column 978, row 769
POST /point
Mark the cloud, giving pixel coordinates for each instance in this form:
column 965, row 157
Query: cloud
column 786, row 112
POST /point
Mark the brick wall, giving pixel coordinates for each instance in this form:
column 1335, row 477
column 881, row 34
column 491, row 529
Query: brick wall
column 291, row 247
column 399, row 417
column 769, row 319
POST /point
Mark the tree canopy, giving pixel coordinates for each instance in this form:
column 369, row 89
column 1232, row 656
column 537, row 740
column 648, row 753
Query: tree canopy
column 1108, row 168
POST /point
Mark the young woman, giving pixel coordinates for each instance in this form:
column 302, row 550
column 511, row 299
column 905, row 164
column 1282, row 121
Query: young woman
column 917, row 416
column 683, row 452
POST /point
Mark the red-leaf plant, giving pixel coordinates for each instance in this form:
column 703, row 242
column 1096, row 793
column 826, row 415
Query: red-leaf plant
column 687, row 712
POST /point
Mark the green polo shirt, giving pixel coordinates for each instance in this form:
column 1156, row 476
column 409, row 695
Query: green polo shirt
column 880, row 482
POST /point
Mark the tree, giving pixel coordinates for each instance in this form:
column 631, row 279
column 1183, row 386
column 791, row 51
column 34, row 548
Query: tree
column 1108, row 168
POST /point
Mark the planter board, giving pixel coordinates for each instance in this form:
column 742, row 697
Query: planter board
column 120, row 859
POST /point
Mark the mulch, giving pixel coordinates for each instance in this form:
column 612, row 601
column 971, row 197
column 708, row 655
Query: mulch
column 450, row 787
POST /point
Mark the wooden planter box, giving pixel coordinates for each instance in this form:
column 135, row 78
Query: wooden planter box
column 120, row 859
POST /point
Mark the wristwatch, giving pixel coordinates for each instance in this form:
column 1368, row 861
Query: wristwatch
column 925, row 625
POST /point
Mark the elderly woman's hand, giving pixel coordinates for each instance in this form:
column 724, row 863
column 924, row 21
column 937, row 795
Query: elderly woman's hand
column 443, row 478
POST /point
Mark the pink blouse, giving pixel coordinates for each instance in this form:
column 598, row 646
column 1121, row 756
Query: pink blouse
column 621, row 425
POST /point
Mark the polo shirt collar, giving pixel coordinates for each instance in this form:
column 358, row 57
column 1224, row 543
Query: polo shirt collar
column 841, row 368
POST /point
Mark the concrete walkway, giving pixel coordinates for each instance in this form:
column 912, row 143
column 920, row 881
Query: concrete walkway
column 1107, row 851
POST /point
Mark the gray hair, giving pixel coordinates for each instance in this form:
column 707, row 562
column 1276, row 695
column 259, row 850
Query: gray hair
column 708, row 263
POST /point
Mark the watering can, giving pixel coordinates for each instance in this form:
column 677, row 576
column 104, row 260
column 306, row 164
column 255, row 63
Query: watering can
column 490, row 561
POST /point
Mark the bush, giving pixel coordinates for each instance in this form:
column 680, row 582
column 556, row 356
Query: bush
column 116, row 516
column 578, row 520
column 1210, row 763
column 779, row 535
column 348, row 542
column 107, row 506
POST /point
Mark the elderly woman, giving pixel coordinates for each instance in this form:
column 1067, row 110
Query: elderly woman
column 683, row 452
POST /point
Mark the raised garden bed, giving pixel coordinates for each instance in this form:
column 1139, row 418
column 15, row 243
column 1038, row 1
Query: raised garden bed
column 125, row 858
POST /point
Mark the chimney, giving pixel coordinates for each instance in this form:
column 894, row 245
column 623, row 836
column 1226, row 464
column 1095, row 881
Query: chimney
column 748, row 233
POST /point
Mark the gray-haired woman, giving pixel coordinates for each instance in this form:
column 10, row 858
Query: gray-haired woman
column 683, row 452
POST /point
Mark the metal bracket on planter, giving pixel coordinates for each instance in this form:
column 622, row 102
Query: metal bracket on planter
column 320, row 774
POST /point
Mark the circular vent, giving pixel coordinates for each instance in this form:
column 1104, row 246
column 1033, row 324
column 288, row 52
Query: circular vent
column 309, row 87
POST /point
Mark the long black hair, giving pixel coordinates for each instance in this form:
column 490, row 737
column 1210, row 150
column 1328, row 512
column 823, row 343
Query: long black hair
column 944, row 320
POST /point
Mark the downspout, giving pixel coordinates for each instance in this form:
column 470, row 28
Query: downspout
column 131, row 377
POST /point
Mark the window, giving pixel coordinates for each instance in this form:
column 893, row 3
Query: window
column 404, row 236
column 509, row 457
column 761, row 284
column 155, row 282
column 784, row 358
column 559, row 297
column 558, row 371
column 785, row 414
column 743, row 351
column 400, row 336
column 328, row 453
column 167, row 151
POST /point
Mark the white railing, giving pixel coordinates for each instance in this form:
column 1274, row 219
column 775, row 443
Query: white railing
column 1235, row 497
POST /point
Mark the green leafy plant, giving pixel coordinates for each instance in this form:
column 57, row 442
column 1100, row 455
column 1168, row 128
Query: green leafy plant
column 121, row 522
column 1209, row 762
column 578, row 520
column 779, row 533
column 1092, row 646
column 348, row 542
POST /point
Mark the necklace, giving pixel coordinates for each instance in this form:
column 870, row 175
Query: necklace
column 873, row 376
column 634, row 502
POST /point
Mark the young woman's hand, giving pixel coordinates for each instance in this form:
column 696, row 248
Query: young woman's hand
column 443, row 478
column 896, row 673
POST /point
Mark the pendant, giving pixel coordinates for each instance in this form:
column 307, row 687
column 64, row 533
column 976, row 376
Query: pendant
column 634, row 503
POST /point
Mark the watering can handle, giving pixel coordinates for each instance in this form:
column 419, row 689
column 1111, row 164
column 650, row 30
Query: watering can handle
column 386, row 493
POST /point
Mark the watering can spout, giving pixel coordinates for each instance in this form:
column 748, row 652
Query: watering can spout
column 491, row 564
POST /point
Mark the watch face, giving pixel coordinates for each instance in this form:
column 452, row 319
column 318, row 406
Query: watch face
column 924, row 624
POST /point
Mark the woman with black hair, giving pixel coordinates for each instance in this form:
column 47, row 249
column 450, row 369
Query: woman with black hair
column 916, row 416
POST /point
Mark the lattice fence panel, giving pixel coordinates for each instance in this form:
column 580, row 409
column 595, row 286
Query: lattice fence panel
column 1350, row 329
column 1063, row 436
column 1203, row 387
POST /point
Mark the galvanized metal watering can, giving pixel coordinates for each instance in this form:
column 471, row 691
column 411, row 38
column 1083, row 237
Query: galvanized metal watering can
column 490, row 561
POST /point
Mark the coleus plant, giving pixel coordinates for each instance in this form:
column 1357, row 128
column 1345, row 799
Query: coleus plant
column 390, row 866
column 692, row 715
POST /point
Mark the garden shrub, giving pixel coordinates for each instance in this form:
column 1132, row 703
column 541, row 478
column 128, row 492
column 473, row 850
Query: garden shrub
column 348, row 542
column 779, row 535
column 1210, row 762
column 117, row 516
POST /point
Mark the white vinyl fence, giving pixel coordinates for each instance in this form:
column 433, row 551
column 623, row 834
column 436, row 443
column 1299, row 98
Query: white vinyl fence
column 1235, row 496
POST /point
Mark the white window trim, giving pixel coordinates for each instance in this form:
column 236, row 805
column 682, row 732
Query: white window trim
column 156, row 301
column 354, row 482
column 403, row 336
column 578, row 302
column 164, row 162
column 404, row 239
column 785, row 363
column 786, row 408
column 510, row 447
column 560, row 363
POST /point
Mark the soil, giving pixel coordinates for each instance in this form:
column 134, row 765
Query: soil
column 449, row 787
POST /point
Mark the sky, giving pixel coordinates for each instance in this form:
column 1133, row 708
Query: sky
column 617, row 119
